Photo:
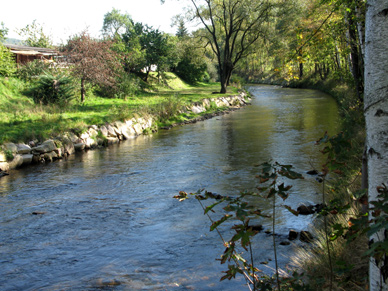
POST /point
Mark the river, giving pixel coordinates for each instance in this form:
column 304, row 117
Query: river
column 107, row 217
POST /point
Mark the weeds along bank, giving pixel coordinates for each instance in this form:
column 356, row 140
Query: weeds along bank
column 16, row 155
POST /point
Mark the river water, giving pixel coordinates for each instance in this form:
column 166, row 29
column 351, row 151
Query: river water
column 109, row 221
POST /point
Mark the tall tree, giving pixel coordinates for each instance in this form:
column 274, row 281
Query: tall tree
column 35, row 36
column 92, row 61
column 116, row 23
column 232, row 27
column 376, row 117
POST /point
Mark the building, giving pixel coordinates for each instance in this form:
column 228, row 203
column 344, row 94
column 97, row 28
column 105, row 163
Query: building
column 25, row 54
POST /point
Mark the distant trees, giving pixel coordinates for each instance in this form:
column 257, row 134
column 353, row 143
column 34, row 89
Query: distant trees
column 92, row 61
column 34, row 36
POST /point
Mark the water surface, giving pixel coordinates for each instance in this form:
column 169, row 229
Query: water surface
column 110, row 221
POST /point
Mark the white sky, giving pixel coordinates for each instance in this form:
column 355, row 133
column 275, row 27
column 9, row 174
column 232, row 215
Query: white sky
column 61, row 19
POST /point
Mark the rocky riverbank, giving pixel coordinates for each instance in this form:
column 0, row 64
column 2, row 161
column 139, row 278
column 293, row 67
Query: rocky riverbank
column 13, row 156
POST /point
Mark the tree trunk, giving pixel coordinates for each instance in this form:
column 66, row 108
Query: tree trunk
column 355, row 57
column 376, row 117
column 83, row 90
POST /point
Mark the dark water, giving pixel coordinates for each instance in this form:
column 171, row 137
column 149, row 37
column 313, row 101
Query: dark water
column 110, row 222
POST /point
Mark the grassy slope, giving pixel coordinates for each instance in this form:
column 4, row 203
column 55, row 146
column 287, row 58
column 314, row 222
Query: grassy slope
column 21, row 120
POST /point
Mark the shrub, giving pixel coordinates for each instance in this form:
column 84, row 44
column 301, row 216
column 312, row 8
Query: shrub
column 50, row 89
column 32, row 70
column 7, row 63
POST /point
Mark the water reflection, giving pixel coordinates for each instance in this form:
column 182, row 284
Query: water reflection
column 109, row 218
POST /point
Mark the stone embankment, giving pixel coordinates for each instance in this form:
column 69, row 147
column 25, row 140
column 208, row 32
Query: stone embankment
column 13, row 156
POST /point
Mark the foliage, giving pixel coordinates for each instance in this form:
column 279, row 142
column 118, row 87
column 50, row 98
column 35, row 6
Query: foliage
column 7, row 62
column 151, row 48
column 116, row 23
column 3, row 32
column 231, row 29
column 32, row 70
column 92, row 61
column 242, row 213
column 192, row 65
column 51, row 89
column 34, row 35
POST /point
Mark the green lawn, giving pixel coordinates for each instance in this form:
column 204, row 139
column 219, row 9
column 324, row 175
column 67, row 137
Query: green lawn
column 21, row 120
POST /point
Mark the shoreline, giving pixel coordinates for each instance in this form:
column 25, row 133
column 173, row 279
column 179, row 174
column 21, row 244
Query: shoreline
column 14, row 156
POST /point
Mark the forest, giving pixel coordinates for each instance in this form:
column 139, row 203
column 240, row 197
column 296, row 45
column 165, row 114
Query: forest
column 335, row 46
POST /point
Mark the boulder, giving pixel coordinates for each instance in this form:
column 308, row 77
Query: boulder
column 27, row 159
column 23, row 149
column 111, row 131
column 10, row 147
column 45, row 147
column 138, row 128
column 206, row 103
column 16, row 162
column 79, row 147
column 49, row 157
column 129, row 132
column 74, row 138
column 306, row 236
column 196, row 109
column 68, row 146
column 104, row 131
column 90, row 143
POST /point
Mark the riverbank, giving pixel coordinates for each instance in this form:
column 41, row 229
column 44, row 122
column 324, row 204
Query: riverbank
column 16, row 155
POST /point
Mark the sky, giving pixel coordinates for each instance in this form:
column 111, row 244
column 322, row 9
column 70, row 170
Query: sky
column 61, row 19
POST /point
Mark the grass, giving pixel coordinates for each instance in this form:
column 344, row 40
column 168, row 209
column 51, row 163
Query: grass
column 21, row 120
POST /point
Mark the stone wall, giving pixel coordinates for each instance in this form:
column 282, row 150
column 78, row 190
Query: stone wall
column 14, row 156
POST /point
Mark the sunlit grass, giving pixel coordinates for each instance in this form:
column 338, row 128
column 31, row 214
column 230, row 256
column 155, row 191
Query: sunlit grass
column 22, row 120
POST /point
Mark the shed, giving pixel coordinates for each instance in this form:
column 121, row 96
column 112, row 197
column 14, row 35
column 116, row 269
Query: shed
column 25, row 54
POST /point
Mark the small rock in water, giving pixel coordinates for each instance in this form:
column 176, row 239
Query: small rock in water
column 312, row 172
column 38, row 212
column 258, row 227
column 285, row 243
column 305, row 210
column 292, row 235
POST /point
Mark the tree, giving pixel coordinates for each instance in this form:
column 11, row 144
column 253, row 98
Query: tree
column 152, row 47
column 92, row 61
column 182, row 30
column 376, row 117
column 7, row 62
column 116, row 23
column 232, row 27
column 35, row 36
column 3, row 32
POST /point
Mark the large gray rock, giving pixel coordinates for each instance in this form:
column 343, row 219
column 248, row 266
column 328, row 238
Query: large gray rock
column 196, row 109
column 10, row 147
column 23, row 149
column 50, row 156
column 45, row 147
column 138, row 128
column 27, row 159
column 16, row 162
column 129, row 133
column 111, row 131
column 91, row 143
column 79, row 147
column 104, row 131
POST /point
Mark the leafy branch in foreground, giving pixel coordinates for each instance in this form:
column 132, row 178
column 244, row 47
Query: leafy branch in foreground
column 242, row 212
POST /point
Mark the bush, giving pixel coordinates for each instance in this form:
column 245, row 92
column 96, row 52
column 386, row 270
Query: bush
column 32, row 70
column 50, row 89
column 190, row 70
column 7, row 62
